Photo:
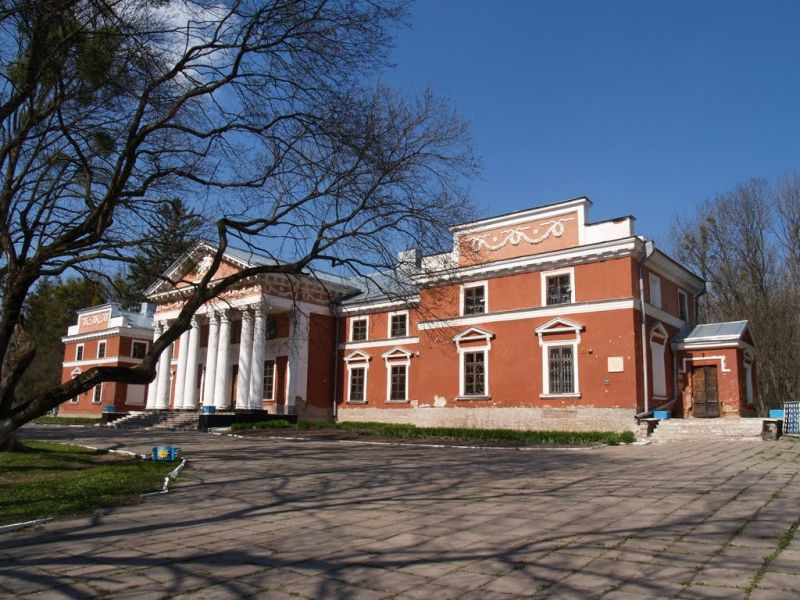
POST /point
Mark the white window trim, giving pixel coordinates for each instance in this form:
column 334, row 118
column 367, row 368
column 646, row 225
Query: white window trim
column 544, row 275
column 274, row 379
column 474, row 284
column 100, row 401
column 74, row 374
column 357, row 360
column 396, row 357
column 146, row 346
column 105, row 348
column 352, row 321
column 576, row 380
column 683, row 300
column 389, row 324
column 658, row 340
column 83, row 352
column 560, row 325
column 654, row 283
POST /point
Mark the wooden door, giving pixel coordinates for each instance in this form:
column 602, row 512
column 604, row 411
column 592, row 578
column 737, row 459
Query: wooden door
column 705, row 395
column 234, row 385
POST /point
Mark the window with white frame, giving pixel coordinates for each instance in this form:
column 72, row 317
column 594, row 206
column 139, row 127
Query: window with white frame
column 683, row 305
column 79, row 352
column 138, row 349
column 474, row 298
column 97, row 393
column 359, row 328
column 655, row 290
column 398, row 324
column 75, row 373
column 474, row 373
column 558, row 287
column 358, row 384
column 560, row 357
column 101, row 349
column 398, row 362
column 398, row 383
column 561, row 369
column 357, row 370
column 268, row 388
column 658, row 343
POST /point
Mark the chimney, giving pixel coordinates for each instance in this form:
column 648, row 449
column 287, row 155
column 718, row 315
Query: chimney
column 410, row 258
column 147, row 309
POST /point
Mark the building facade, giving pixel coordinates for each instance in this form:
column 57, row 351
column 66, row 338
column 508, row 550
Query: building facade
column 106, row 335
column 539, row 319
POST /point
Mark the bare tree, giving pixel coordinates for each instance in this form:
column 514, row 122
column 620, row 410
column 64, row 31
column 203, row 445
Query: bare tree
column 264, row 116
column 744, row 243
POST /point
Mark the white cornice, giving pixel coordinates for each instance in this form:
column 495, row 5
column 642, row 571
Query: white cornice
column 522, row 216
column 108, row 333
column 537, row 262
column 92, row 362
column 377, row 305
column 379, row 343
column 533, row 313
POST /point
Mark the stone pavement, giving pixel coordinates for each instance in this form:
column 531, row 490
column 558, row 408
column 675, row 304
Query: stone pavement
column 268, row 518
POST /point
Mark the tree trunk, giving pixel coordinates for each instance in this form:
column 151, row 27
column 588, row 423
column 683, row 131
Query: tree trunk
column 8, row 437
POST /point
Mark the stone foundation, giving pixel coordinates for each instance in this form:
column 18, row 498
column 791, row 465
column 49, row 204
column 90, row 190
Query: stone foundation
column 581, row 418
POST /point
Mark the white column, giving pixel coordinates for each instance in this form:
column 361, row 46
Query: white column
column 245, row 356
column 190, row 383
column 257, row 362
column 180, row 373
column 297, row 371
column 211, row 359
column 221, row 376
column 152, row 389
column 162, row 392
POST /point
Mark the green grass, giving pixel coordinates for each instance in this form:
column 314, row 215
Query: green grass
column 52, row 480
column 453, row 434
column 66, row 421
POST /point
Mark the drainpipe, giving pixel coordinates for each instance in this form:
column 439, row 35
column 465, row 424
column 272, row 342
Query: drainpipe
column 335, row 395
column 648, row 251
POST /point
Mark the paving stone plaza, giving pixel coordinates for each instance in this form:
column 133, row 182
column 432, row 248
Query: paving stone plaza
column 279, row 519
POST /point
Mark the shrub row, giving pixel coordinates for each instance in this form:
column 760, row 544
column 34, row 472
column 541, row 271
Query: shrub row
column 459, row 434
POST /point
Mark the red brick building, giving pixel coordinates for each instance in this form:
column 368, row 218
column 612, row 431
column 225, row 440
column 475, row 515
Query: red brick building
column 539, row 319
column 110, row 336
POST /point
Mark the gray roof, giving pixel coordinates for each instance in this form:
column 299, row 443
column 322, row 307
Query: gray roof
column 381, row 286
column 731, row 330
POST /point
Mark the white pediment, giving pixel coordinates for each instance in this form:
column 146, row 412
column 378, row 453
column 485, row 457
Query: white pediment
column 357, row 356
column 397, row 353
column 473, row 334
column 558, row 325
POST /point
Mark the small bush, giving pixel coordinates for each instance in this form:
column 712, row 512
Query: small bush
column 276, row 424
column 627, row 437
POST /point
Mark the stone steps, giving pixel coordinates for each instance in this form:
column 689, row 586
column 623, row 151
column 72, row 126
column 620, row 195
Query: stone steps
column 699, row 429
column 158, row 420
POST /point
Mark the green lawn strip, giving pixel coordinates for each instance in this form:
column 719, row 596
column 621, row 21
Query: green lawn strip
column 66, row 421
column 452, row 434
column 53, row 480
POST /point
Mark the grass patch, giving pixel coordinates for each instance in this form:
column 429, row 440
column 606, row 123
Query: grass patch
column 783, row 543
column 66, row 421
column 52, row 480
column 453, row 434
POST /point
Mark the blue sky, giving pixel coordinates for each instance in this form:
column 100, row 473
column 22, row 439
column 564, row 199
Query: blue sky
column 646, row 107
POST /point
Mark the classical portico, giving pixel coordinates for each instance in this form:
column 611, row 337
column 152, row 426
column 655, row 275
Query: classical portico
column 249, row 348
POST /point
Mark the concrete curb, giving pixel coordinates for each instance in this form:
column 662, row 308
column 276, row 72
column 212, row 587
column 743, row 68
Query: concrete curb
column 23, row 525
column 460, row 447
column 171, row 475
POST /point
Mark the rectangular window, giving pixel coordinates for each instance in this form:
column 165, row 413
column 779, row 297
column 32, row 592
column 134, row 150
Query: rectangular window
column 399, row 325
column 474, row 300
column 358, row 378
column 559, row 289
column 268, row 392
column 97, row 394
column 683, row 306
column 101, row 350
column 79, row 352
column 655, row 290
column 474, row 374
column 358, row 332
column 138, row 349
column 561, row 370
column 397, row 391
column 270, row 328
